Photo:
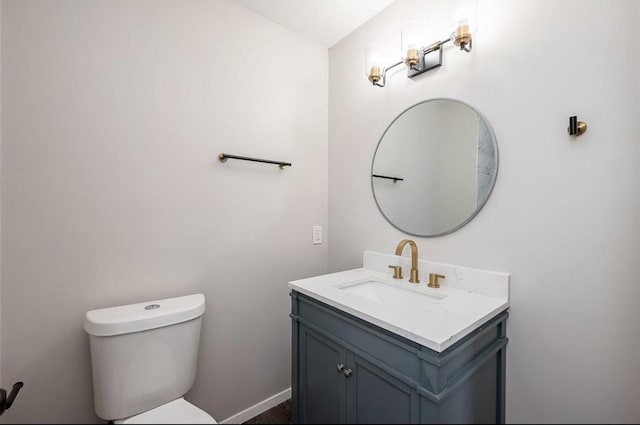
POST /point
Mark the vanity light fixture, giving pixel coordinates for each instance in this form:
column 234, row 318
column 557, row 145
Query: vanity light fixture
column 417, row 56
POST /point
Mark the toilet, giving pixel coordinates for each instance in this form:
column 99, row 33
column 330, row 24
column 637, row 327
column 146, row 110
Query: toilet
column 144, row 358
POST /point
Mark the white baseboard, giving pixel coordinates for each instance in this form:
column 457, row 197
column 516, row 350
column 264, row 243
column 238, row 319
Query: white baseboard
column 259, row 408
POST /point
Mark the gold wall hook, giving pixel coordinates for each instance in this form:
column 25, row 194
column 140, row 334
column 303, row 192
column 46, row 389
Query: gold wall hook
column 576, row 128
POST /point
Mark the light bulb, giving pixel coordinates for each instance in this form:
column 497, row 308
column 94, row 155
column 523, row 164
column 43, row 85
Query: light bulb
column 412, row 38
column 464, row 16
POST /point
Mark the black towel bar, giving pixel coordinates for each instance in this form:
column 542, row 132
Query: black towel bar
column 395, row 179
column 223, row 157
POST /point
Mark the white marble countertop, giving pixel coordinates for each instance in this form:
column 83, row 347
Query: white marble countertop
column 466, row 299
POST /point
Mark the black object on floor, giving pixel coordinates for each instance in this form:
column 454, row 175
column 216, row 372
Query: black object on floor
column 281, row 414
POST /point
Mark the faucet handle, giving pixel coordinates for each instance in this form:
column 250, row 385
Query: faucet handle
column 397, row 271
column 433, row 280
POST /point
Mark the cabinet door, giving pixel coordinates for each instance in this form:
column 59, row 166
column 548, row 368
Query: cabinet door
column 322, row 382
column 376, row 397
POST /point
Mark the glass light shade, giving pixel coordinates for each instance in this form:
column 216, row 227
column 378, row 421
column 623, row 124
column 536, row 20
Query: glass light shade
column 465, row 16
column 413, row 37
column 464, row 21
column 376, row 59
column 465, row 13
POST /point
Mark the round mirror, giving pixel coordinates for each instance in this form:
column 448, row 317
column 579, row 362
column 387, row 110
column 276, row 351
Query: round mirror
column 434, row 167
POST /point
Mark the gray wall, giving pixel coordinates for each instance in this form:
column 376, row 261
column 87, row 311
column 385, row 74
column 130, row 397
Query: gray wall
column 0, row 192
column 563, row 217
column 114, row 114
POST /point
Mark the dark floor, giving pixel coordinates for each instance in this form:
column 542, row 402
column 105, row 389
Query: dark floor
column 281, row 414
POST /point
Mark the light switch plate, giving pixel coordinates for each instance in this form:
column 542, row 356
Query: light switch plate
column 317, row 235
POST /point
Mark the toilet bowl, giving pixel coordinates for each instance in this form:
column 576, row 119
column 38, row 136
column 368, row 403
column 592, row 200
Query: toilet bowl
column 143, row 360
column 177, row 411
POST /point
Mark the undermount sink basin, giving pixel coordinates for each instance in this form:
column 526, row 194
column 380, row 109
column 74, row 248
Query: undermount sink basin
column 384, row 293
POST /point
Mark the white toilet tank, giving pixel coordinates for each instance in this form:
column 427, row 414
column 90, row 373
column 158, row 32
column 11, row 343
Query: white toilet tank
column 143, row 355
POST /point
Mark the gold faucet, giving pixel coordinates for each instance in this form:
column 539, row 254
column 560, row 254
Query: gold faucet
column 414, row 258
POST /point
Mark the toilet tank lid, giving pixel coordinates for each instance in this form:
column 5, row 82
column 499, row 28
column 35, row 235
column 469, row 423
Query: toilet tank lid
column 143, row 316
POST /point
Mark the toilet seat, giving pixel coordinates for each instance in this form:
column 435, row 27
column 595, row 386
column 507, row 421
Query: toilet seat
column 178, row 411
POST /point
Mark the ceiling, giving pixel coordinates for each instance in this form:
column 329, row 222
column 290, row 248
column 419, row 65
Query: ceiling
column 324, row 21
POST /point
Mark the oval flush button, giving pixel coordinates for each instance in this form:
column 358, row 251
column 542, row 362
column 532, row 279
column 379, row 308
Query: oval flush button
column 152, row 306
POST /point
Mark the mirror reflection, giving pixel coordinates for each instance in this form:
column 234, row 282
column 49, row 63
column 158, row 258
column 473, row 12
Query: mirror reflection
column 434, row 167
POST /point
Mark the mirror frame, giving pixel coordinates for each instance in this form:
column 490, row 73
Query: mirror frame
column 491, row 184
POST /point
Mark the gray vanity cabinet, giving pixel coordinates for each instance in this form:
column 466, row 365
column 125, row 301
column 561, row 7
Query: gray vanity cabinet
column 324, row 381
column 368, row 386
column 346, row 370
column 336, row 393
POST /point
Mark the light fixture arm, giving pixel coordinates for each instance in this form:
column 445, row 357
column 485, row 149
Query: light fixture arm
column 384, row 74
column 465, row 45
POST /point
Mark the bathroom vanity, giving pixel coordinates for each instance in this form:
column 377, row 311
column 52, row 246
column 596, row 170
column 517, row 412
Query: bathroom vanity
column 368, row 348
